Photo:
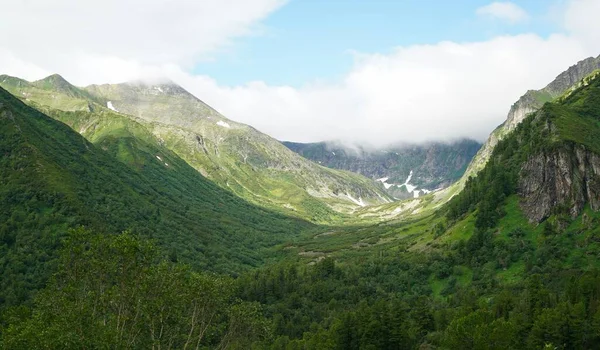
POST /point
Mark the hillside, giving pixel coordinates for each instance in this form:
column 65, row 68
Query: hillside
column 234, row 156
column 528, row 103
column 53, row 179
column 430, row 166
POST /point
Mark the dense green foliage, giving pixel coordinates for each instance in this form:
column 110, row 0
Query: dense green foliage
column 112, row 289
column 385, row 301
column 51, row 179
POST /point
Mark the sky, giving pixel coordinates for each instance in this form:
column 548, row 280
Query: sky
column 373, row 72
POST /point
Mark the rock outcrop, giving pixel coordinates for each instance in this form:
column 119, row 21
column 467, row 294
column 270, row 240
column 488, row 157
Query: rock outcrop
column 566, row 178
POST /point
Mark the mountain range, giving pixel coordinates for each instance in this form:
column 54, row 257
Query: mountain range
column 156, row 216
column 235, row 156
column 405, row 171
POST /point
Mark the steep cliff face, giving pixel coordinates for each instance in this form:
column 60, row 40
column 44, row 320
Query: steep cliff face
column 567, row 178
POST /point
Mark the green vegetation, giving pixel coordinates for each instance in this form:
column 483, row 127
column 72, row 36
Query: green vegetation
column 476, row 274
column 52, row 179
column 234, row 156
column 113, row 289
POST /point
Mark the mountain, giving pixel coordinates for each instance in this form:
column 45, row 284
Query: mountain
column 551, row 160
column 405, row 171
column 531, row 102
column 235, row 156
column 52, row 179
column 512, row 262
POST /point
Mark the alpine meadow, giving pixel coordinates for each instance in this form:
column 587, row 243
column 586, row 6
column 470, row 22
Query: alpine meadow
column 296, row 175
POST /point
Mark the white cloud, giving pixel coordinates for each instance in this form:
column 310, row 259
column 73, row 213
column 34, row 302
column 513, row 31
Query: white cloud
column 507, row 11
column 416, row 93
column 148, row 31
column 581, row 19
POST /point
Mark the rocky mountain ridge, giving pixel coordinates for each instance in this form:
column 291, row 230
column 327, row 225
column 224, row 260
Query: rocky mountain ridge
column 530, row 102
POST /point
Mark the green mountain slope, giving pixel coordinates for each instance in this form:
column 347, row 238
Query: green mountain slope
column 551, row 159
column 430, row 166
column 234, row 156
column 531, row 102
column 51, row 179
column 238, row 157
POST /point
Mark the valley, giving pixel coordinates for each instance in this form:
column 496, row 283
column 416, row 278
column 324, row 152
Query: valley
column 134, row 215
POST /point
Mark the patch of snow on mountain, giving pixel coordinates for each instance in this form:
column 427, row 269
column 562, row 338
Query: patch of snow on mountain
column 385, row 184
column 426, row 191
column 333, row 153
column 109, row 105
column 410, row 188
column 158, row 88
column 358, row 201
column 223, row 124
column 159, row 158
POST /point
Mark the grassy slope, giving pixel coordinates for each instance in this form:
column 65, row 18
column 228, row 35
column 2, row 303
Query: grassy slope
column 240, row 158
column 53, row 179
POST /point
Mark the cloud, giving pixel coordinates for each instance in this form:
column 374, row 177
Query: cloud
column 415, row 93
column 148, row 31
column 581, row 19
column 507, row 11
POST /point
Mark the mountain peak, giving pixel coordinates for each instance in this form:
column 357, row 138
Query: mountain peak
column 54, row 79
column 58, row 83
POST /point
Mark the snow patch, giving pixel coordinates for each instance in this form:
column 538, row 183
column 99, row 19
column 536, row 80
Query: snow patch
column 358, row 201
column 109, row 105
column 223, row 124
column 333, row 153
column 166, row 164
column 410, row 188
column 159, row 158
column 158, row 88
column 384, row 182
